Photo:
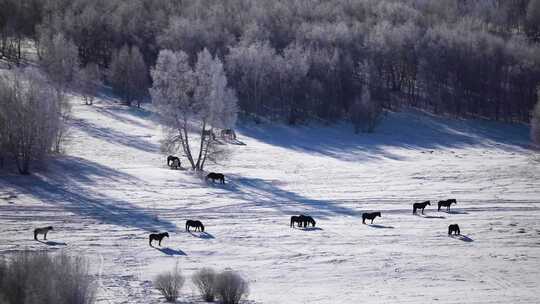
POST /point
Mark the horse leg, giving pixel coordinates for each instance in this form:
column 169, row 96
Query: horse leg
column 414, row 210
column 372, row 220
column 422, row 211
column 45, row 236
column 363, row 221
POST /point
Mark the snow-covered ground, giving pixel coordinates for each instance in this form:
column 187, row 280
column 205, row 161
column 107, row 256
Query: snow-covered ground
column 112, row 187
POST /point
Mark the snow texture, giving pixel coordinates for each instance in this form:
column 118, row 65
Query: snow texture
column 112, row 188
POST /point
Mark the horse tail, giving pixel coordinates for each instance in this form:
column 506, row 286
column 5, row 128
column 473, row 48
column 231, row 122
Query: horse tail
column 35, row 234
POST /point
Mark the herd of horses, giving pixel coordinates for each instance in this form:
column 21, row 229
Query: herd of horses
column 444, row 203
column 301, row 221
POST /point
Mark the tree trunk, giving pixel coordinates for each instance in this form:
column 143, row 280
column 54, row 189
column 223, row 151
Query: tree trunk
column 201, row 145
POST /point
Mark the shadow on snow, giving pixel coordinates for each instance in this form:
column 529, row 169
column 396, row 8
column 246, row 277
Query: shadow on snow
column 410, row 130
column 265, row 194
column 68, row 182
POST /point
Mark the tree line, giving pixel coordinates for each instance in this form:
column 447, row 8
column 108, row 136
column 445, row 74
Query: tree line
column 306, row 60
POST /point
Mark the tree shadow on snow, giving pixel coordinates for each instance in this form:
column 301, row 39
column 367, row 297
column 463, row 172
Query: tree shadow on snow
column 462, row 237
column 68, row 184
column 411, row 129
column 265, row 193
column 114, row 136
column 170, row 251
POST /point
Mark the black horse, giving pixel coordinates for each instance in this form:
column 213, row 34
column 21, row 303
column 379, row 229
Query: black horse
column 297, row 220
column 173, row 161
column 302, row 220
column 417, row 206
column 213, row 176
column 454, row 228
column 446, row 204
column 43, row 231
column 157, row 237
column 370, row 216
column 197, row 224
column 307, row 220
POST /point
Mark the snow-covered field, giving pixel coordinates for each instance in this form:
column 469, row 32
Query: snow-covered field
column 112, row 187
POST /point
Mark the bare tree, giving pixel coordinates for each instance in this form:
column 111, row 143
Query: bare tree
column 89, row 82
column 192, row 101
column 30, row 115
column 128, row 74
column 39, row 277
column 231, row 287
column 170, row 283
column 205, row 281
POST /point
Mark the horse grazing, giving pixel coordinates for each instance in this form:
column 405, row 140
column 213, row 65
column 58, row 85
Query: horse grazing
column 43, row 231
column 370, row 216
column 198, row 225
column 446, row 204
column 297, row 220
column 302, row 220
column 173, row 161
column 157, row 237
column 228, row 133
column 417, row 206
column 454, row 228
column 213, row 176
column 306, row 219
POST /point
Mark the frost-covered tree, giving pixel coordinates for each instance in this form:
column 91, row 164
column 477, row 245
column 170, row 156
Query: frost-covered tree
column 292, row 72
column 59, row 58
column 89, row 82
column 192, row 101
column 128, row 74
column 30, row 116
column 366, row 109
column 533, row 20
column 252, row 70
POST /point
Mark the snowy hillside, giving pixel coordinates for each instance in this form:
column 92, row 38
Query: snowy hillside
column 113, row 187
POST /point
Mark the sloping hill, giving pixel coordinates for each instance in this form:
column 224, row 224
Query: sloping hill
column 112, row 187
